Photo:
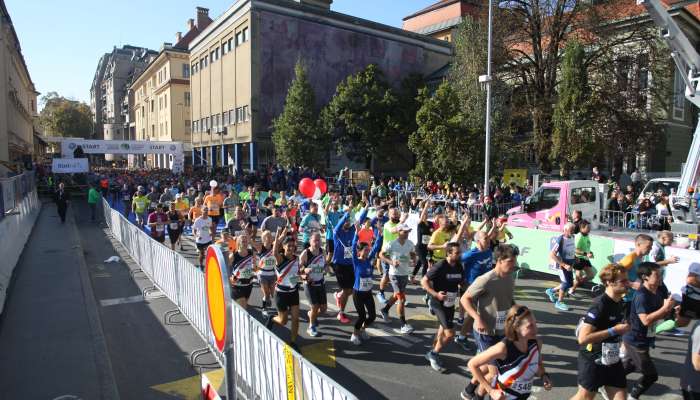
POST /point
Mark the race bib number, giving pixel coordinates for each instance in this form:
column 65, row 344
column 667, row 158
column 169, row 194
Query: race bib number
column 366, row 284
column 246, row 273
column 269, row 263
column 213, row 207
column 347, row 252
column 254, row 219
column 425, row 239
column 450, row 299
column 610, row 353
column 160, row 227
column 522, row 387
column 501, row 320
column 174, row 225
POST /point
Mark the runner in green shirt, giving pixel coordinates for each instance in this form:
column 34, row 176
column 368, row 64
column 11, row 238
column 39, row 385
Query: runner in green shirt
column 93, row 198
column 582, row 266
column 139, row 205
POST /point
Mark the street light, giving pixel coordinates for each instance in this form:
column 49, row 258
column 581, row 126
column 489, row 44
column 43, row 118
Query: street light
column 486, row 80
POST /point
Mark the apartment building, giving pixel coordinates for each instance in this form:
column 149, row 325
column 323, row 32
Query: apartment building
column 243, row 63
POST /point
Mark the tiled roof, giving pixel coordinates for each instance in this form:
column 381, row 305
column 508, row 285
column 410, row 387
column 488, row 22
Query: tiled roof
column 433, row 7
column 440, row 26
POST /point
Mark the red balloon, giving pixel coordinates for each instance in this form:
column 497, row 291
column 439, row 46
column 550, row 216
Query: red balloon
column 307, row 187
column 321, row 185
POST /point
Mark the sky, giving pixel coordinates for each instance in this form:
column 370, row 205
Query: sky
column 62, row 41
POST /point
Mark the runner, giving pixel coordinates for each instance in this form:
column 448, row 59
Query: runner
column 442, row 283
column 287, row 289
column 313, row 265
column 583, row 269
column 362, row 287
column 333, row 215
column 125, row 195
column 195, row 211
column 61, row 200
column 156, row 223
column 250, row 206
column 690, row 374
column 487, row 301
column 424, row 231
column 240, row 222
column 274, row 221
column 598, row 334
column 227, row 243
column 215, row 203
column 563, row 253
column 400, row 255
column 310, row 224
column 139, row 206
column 175, row 224
column 658, row 255
column 93, row 199
column 518, row 359
column 648, row 308
column 243, row 268
column 202, row 233
column 343, row 235
column 230, row 203
column 389, row 233
column 267, row 275
column 642, row 247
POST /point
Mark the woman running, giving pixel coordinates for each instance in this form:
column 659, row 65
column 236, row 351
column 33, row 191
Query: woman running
column 243, row 268
column 267, row 275
column 313, row 264
column 287, row 289
column 175, row 224
column 518, row 359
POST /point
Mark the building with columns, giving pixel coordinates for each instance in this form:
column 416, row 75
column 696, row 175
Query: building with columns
column 18, row 107
column 161, row 93
column 242, row 65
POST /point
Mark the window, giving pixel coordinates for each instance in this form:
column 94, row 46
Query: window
column 166, row 128
column 165, row 73
column 194, row 126
column 165, row 102
column 187, row 126
column 153, row 103
column 225, row 122
column 185, row 70
column 208, row 122
column 245, row 34
column 228, row 44
column 678, row 96
column 160, row 103
column 211, row 57
column 544, row 199
column 153, row 130
column 203, row 62
column 583, row 195
column 194, row 68
column 217, row 53
column 246, row 114
column 239, row 38
column 187, row 99
column 223, row 49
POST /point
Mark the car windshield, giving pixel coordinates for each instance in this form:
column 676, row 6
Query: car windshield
column 665, row 186
column 544, row 199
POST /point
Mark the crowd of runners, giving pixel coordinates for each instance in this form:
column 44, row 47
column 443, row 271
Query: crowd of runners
column 288, row 244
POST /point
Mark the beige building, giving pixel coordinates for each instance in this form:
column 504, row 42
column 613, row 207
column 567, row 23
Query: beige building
column 18, row 108
column 242, row 65
column 161, row 94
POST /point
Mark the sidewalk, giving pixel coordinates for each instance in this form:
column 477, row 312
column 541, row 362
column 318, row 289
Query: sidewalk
column 51, row 340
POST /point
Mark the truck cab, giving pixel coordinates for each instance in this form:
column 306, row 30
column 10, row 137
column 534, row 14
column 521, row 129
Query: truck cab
column 553, row 204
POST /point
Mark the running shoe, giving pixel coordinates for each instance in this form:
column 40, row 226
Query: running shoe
column 354, row 339
column 434, row 360
column 384, row 314
column 343, row 318
column 667, row 325
column 550, row 293
column 561, row 306
column 337, row 299
column 312, row 331
column 381, row 298
column 364, row 335
column 465, row 344
column 406, row 329
column 572, row 294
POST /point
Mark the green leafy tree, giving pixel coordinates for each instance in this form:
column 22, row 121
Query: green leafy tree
column 442, row 144
column 360, row 116
column 65, row 117
column 296, row 135
column 571, row 134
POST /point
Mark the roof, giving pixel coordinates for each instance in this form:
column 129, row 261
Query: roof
column 192, row 33
column 440, row 26
column 433, row 7
column 6, row 14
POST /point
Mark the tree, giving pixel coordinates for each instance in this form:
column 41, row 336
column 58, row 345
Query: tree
column 360, row 116
column 64, row 117
column 296, row 135
column 571, row 134
column 442, row 144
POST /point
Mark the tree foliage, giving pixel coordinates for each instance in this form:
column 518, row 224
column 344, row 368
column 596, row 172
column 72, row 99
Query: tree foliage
column 360, row 116
column 297, row 136
column 65, row 117
column 571, row 133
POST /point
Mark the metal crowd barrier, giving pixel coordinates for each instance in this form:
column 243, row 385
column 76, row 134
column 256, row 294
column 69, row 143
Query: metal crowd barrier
column 13, row 191
column 263, row 366
column 633, row 221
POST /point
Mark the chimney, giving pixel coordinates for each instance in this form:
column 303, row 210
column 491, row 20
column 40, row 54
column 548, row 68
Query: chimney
column 178, row 37
column 202, row 17
column 190, row 24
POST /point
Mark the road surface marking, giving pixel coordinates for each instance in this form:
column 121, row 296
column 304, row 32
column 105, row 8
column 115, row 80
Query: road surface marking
column 190, row 388
column 102, row 275
column 320, row 353
column 122, row 300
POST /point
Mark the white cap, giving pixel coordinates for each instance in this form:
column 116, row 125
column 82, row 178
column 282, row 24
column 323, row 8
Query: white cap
column 404, row 228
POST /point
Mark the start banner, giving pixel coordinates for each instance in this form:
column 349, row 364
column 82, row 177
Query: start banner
column 70, row 165
column 119, row 147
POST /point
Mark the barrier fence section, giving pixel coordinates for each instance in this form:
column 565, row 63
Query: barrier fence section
column 263, row 366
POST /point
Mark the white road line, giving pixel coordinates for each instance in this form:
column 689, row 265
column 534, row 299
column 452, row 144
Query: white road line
column 122, row 300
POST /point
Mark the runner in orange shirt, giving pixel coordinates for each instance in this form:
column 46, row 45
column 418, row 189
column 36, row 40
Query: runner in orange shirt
column 215, row 202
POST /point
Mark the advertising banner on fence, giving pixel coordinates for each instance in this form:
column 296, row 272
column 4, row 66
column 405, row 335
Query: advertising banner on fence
column 70, row 165
column 119, row 147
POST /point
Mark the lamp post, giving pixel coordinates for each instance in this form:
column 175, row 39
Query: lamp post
column 486, row 80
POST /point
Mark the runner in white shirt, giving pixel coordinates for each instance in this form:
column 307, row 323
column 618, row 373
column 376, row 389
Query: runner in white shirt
column 202, row 234
column 400, row 255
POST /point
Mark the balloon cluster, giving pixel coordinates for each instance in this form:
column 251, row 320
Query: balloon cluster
column 312, row 189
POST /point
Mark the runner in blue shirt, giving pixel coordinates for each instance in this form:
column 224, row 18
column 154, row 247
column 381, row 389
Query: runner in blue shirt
column 362, row 259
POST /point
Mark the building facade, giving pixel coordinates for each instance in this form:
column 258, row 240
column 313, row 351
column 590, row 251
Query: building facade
column 161, row 105
column 243, row 63
column 440, row 20
column 18, row 96
column 115, row 73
